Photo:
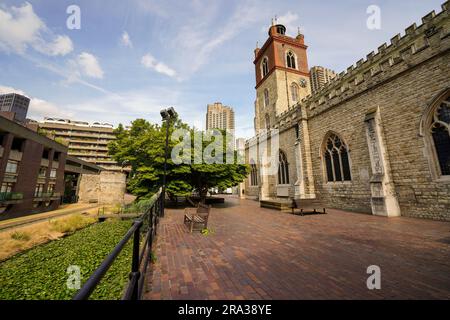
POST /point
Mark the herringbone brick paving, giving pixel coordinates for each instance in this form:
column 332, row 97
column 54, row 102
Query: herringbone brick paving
column 257, row 253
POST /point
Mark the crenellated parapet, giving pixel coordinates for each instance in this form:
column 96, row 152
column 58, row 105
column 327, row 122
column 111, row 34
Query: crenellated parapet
column 416, row 45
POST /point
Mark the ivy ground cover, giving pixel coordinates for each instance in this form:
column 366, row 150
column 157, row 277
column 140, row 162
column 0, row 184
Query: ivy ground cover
column 41, row 273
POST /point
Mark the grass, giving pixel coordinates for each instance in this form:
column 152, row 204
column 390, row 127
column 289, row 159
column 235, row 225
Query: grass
column 41, row 273
column 20, row 236
column 71, row 224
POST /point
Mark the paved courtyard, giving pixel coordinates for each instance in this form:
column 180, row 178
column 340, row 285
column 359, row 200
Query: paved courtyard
column 257, row 253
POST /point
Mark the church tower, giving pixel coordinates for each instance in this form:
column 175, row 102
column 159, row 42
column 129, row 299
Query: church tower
column 282, row 75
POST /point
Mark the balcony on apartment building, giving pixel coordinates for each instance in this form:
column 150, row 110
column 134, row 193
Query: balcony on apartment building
column 87, row 134
column 46, row 196
column 93, row 147
column 7, row 198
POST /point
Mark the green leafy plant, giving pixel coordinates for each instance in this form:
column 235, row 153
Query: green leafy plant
column 41, row 273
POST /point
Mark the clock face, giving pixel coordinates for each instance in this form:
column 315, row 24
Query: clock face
column 303, row 83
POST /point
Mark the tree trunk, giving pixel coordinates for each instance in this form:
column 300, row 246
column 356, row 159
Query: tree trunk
column 203, row 193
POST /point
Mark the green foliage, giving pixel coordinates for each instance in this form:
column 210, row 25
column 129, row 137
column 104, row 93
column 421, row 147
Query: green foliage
column 62, row 141
column 40, row 273
column 153, row 257
column 140, row 206
column 20, row 236
column 143, row 147
column 42, row 132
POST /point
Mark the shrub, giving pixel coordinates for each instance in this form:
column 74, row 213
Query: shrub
column 140, row 206
column 20, row 236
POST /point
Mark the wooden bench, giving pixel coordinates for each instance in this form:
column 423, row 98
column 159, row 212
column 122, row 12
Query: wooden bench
column 197, row 217
column 293, row 205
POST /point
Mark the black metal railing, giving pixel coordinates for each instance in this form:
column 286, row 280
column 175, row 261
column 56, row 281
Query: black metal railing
column 140, row 257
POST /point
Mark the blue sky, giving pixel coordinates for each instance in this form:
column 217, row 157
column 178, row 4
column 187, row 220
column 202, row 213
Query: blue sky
column 130, row 58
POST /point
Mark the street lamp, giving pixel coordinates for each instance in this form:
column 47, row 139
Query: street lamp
column 167, row 115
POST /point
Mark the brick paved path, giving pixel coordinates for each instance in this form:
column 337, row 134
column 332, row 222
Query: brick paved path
column 258, row 253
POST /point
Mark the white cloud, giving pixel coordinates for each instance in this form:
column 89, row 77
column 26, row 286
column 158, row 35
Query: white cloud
column 199, row 38
column 89, row 65
column 125, row 40
column 39, row 108
column 61, row 45
column 6, row 89
column 149, row 62
column 21, row 28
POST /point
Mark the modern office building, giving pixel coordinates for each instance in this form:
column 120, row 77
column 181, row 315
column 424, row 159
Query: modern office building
column 320, row 76
column 219, row 116
column 15, row 103
column 88, row 142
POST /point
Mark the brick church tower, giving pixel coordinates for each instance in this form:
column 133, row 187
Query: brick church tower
column 282, row 75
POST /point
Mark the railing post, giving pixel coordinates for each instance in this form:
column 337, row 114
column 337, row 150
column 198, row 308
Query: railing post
column 150, row 227
column 135, row 274
column 161, row 208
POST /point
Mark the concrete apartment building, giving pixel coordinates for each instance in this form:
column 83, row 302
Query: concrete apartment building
column 88, row 142
column 15, row 103
column 320, row 76
column 219, row 116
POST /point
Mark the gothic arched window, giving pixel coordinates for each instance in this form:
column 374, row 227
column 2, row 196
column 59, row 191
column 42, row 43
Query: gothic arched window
column 290, row 60
column 266, row 98
column 265, row 66
column 440, row 133
column 267, row 118
column 337, row 160
column 294, row 92
column 283, row 169
column 253, row 174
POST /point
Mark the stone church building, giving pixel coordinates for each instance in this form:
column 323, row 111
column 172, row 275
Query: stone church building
column 376, row 139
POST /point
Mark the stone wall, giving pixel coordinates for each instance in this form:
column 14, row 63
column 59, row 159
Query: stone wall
column 104, row 188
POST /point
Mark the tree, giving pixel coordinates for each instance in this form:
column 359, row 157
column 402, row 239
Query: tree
column 143, row 147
